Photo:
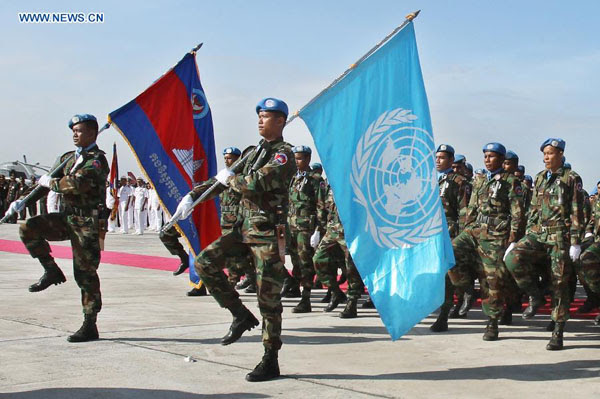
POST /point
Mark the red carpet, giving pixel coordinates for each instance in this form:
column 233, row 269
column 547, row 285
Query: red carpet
column 115, row 258
column 546, row 309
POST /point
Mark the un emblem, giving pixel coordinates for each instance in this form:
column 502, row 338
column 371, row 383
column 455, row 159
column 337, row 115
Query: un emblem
column 394, row 180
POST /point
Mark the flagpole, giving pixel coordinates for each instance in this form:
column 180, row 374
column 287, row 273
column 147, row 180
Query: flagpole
column 408, row 19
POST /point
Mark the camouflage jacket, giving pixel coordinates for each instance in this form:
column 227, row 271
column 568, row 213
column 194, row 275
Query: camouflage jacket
column 327, row 213
column 304, row 190
column 263, row 184
column 455, row 191
column 593, row 225
column 496, row 207
column 13, row 191
column 556, row 211
column 230, row 204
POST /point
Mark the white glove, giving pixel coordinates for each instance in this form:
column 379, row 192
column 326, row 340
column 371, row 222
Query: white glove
column 183, row 209
column 574, row 252
column 223, row 175
column 315, row 238
column 510, row 248
column 587, row 235
column 15, row 206
column 45, row 181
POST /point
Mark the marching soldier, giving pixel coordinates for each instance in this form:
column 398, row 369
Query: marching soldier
column 494, row 216
column 13, row 190
column 264, row 184
column 302, row 221
column 553, row 234
column 589, row 266
column 3, row 192
column 82, row 184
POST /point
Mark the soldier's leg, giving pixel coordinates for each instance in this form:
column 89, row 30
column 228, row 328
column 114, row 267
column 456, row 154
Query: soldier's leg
column 562, row 272
column 590, row 268
column 170, row 240
column 327, row 271
column 35, row 234
column 303, row 257
column 356, row 286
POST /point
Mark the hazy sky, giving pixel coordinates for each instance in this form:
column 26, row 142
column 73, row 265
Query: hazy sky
column 510, row 71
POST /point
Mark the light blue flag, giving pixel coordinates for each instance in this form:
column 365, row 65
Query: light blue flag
column 373, row 133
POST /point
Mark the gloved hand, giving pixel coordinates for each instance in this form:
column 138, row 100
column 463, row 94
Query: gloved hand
column 223, row 175
column 510, row 248
column 15, row 206
column 183, row 209
column 574, row 252
column 315, row 238
column 45, row 181
column 587, row 235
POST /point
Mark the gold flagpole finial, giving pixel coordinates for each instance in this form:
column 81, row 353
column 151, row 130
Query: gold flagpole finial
column 413, row 15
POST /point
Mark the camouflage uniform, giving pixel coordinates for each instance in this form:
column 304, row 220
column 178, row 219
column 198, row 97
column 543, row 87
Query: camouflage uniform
column 555, row 222
column 170, row 239
column 263, row 185
column 302, row 218
column 13, row 191
column 589, row 265
column 3, row 193
column 82, row 185
column 332, row 241
column 494, row 217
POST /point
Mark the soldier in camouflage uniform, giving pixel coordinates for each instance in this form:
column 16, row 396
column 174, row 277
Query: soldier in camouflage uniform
column 333, row 240
column 264, row 184
column 494, row 217
column 453, row 191
column 302, row 221
column 13, row 190
column 3, row 192
column 81, row 182
column 553, row 233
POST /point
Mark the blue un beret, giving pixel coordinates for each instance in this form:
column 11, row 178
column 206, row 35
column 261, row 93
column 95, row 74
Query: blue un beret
column 445, row 148
column 495, row 147
column 302, row 148
column 469, row 166
column 511, row 155
column 316, row 165
column 567, row 165
column 521, row 169
column 528, row 178
column 459, row 158
column 558, row 143
column 81, row 118
column 232, row 150
column 479, row 171
column 272, row 104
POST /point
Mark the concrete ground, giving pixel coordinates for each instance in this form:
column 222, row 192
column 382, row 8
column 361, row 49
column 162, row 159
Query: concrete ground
column 148, row 328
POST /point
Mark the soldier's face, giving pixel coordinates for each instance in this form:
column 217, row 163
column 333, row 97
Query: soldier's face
column 83, row 135
column 552, row 158
column 492, row 160
column 443, row 161
column 230, row 159
column 510, row 166
column 270, row 125
column 302, row 161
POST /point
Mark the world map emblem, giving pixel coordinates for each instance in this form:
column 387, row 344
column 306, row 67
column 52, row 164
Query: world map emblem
column 394, row 179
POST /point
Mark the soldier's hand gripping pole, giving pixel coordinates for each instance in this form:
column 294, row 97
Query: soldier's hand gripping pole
column 52, row 173
column 236, row 167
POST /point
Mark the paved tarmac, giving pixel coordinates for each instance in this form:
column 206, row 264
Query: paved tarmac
column 148, row 328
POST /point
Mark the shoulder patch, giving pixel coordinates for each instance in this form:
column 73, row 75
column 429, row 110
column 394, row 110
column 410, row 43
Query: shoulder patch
column 518, row 189
column 280, row 158
column 579, row 186
column 96, row 164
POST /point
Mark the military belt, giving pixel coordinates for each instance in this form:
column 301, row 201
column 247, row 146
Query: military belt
column 82, row 212
column 489, row 220
column 229, row 208
column 551, row 229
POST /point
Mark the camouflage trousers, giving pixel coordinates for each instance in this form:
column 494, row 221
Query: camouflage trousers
column 84, row 235
column 239, row 263
column 270, row 273
column 493, row 274
column 528, row 253
column 589, row 267
column 326, row 265
column 301, row 254
column 170, row 240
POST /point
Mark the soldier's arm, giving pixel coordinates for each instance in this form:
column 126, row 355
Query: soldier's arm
column 92, row 174
column 517, row 213
column 473, row 205
column 205, row 185
column 322, row 207
column 273, row 175
column 577, row 218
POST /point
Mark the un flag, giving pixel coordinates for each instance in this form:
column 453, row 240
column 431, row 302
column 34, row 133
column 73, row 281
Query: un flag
column 373, row 133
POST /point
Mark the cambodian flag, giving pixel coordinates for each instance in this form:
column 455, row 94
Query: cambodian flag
column 114, row 173
column 373, row 133
column 170, row 131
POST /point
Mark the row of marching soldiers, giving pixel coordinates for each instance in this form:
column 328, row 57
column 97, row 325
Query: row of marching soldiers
column 519, row 237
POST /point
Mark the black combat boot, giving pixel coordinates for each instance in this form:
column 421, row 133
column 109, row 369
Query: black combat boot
column 535, row 302
column 52, row 275
column 87, row 332
column 556, row 342
column 185, row 263
column 368, row 304
column 491, row 330
column 506, row 318
column 327, row 296
column 467, row 302
column 441, row 323
column 244, row 283
column 267, row 369
column 337, row 297
column 291, row 288
column 243, row 320
column 197, row 291
column 304, row 305
column 550, row 326
column 349, row 311
column 251, row 288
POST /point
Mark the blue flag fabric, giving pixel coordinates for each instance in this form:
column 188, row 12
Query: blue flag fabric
column 374, row 137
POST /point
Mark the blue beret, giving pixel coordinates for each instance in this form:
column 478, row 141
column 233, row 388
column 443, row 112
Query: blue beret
column 528, row 178
column 316, row 165
column 495, row 147
column 511, row 155
column 469, row 166
column 459, row 158
column 272, row 104
column 81, row 118
column 445, row 148
column 567, row 165
column 558, row 143
column 302, row 148
column 232, row 150
column 521, row 168
column 479, row 171
column 594, row 190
